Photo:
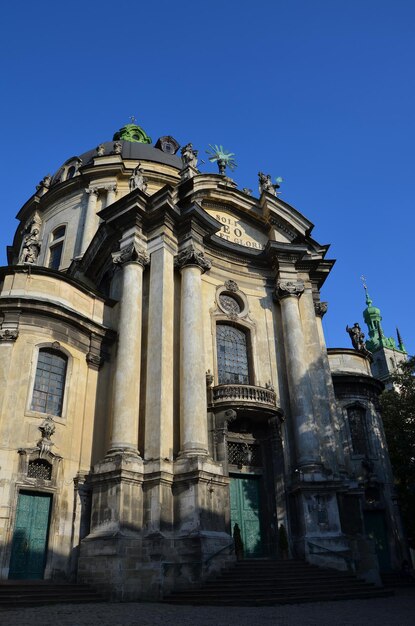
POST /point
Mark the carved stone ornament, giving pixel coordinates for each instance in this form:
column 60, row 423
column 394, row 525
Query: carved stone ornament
column 117, row 147
column 44, row 184
column 100, row 149
column 47, row 428
column 231, row 285
column 286, row 288
column 132, row 253
column 8, row 335
column 189, row 155
column 320, row 308
column 265, row 183
column 192, row 257
column 138, row 180
column 94, row 361
column 209, row 378
column 31, row 244
column 92, row 190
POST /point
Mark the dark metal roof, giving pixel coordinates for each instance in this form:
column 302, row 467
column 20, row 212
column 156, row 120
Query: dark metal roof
column 137, row 151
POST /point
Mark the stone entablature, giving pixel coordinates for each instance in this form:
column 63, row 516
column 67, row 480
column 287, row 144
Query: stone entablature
column 344, row 360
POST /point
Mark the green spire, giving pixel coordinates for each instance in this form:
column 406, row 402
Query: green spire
column 132, row 132
column 373, row 319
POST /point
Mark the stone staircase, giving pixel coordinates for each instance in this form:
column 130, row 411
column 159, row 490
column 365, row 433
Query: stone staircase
column 264, row 582
column 398, row 579
column 24, row 593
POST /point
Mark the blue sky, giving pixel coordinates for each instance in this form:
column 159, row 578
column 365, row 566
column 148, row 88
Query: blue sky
column 320, row 92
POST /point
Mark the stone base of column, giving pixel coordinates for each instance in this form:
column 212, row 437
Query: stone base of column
column 148, row 568
column 193, row 452
column 319, row 538
column 117, row 500
column 147, row 551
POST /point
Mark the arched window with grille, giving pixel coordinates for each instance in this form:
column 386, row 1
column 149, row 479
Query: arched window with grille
column 56, row 247
column 232, row 355
column 49, row 385
column 356, row 416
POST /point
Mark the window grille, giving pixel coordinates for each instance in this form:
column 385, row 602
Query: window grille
column 232, row 355
column 39, row 469
column 357, row 425
column 240, row 453
column 229, row 303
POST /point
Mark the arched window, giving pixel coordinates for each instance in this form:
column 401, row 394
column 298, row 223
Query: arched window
column 357, row 425
column 49, row 384
column 71, row 172
column 233, row 366
column 56, row 247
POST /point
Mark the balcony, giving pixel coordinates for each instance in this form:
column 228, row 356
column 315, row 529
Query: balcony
column 243, row 395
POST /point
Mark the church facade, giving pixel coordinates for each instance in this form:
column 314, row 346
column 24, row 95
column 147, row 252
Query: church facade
column 164, row 380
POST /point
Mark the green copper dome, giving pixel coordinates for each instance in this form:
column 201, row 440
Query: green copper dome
column 133, row 133
column 377, row 339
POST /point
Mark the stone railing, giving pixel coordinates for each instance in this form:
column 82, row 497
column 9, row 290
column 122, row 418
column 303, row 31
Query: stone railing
column 248, row 394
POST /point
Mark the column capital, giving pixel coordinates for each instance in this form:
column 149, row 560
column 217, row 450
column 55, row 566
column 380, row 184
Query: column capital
column 287, row 288
column 92, row 190
column 111, row 187
column 320, row 308
column 190, row 257
column 131, row 254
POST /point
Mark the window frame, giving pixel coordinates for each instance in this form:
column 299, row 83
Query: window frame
column 364, row 409
column 53, row 243
column 69, row 364
column 243, row 329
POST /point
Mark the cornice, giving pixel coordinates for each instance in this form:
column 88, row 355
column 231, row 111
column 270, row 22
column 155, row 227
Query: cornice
column 45, row 309
column 6, row 270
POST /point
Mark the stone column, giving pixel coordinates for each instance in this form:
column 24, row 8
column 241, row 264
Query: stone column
column 322, row 386
column 90, row 218
column 111, row 193
column 300, row 392
column 193, row 418
column 124, row 436
column 159, row 386
column 320, row 309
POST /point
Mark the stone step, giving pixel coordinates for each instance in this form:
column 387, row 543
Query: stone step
column 35, row 593
column 252, row 583
column 280, row 599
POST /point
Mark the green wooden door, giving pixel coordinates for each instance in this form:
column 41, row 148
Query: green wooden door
column 30, row 536
column 245, row 511
column 375, row 527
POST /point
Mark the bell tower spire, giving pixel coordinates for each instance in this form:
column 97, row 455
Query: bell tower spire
column 386, row 353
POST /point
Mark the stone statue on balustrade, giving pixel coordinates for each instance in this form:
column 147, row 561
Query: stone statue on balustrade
column 358, row 339
column 189, row 155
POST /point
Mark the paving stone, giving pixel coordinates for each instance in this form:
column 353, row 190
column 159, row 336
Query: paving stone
column 398, row 610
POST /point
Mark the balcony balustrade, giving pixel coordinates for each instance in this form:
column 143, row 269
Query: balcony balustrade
column 243, row 394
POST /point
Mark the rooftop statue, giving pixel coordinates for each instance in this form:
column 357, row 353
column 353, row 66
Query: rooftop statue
column 358, row 339
column 138, row 180
column 133, row 133
column 223, row 158
column 265, row 183
column 189, row 155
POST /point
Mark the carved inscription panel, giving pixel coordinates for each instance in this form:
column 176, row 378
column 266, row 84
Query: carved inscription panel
column 238, row 231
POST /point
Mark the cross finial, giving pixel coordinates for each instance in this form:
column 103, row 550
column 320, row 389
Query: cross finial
column 133, row 119
column 363, row 279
